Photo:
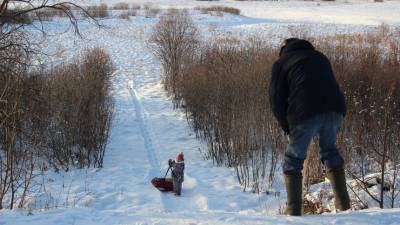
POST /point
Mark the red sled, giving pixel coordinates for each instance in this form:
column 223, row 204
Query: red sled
column 162, row 184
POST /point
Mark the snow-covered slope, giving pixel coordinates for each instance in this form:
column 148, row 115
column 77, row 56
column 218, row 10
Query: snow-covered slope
column 146, row 133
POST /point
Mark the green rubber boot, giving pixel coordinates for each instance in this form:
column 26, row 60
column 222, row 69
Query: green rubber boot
column 338, row 181
column 294, row 189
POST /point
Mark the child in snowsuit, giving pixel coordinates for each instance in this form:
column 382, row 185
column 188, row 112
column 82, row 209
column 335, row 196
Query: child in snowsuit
column 178, row 167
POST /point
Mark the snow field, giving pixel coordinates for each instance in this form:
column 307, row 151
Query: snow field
column 360, row 12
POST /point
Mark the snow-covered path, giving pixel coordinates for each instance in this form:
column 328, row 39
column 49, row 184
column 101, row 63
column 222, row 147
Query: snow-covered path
column 147, row 131
column 165, row 133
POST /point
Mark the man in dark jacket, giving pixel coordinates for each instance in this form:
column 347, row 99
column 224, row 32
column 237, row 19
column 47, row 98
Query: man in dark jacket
column 307, row 101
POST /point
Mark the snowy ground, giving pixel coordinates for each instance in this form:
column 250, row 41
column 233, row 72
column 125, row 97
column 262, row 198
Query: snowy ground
column 147, row 132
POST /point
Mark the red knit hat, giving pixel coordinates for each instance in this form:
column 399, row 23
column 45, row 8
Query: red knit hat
column 179, row 157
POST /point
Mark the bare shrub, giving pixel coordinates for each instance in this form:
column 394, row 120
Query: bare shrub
column 239, row 130
column 25, row 109
column 42, row 14
column 135, row 6
column 370, row 132
column 98, row 11
column 81, row 114
column 126, row 15
column 175, row 38
column 365, row 65
column 218, row 9
column 12, row 16
column 132, row 12
column 151, row 11
column 60, row 118
column 15, row 162
column 147, row 7
column 97, row 106
column 47, row 14
column 121, row 6
column 26, row 12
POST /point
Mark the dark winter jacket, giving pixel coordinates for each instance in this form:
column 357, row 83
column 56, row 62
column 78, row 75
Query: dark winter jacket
column 303, row 85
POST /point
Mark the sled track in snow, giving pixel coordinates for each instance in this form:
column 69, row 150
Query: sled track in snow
column 148, row 140
column 151, row 155
column 147, row 73
column 189, row 201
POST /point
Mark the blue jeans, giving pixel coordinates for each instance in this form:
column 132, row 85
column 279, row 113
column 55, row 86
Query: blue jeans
column 326, row 126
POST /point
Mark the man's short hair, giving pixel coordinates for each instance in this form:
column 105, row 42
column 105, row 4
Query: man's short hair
column 285, row 43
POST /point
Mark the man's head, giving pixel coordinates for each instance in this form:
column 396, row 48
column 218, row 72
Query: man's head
column 285, row 43
column 294, row 44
